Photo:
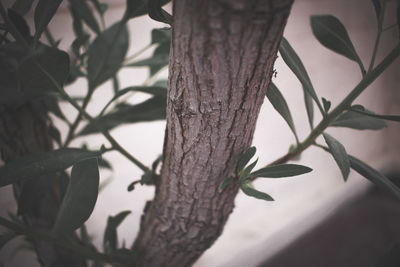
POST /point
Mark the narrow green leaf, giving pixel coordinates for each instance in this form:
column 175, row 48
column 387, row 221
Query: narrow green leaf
column 331, row 33
column 110, row 239
column 279, row 103
column 161, row 35
column 149, row 110
column 80, row 198
column 309, row 108
column 5, row 237
column 355, row 120
column 106, row 54
column 249, row 190
column 293, row 61
column 245, row 174
column 377, row 7
column 33, row 79
column 101, row 8
column 327, row 104
column 245, row 158
column 85, row 13
column 44, row 12
column 363, row 111
column 225, row 183
column 42, row 163
column 157, row 13
column 283, row 170
column 374, row 176
column 20, row 23
column 22, row 6
column 339, row 154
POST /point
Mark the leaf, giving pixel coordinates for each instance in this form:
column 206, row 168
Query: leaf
column 106, row 54
column 363, row 111
column 249, row 190
column 339, row 154
column 20, row 23
column 374, row 176
column 152, row 90
column 44, row 12
column 35, row 71
column 54, row 133
column 161, row 35
column 5, row 237
column 358, row 121
column 245, row 174
column 42, row 163
column 309, row 108
column 157, row 13
column 104, row 163
column 22, row 6
column 283, row 170
column 377, row 7
column 83, row 10
column 101, row 8
column 293, row 61
column 326, row 104
column 245, row 158
column 156, row 62
column 225, row 183
column 279, row 103
column 149, row 110
column 331, row 33
column 110, row 239
column 80, row 198
column 136, row 8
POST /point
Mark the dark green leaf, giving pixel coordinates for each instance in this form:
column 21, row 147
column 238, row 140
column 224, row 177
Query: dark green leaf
column 54, row 133
column 293, row 61
column 136, row 8
column 377, row 7
column 309, row 108
column 6, row 237
column 149, row 110
column 363, row 111
column 85, row 13
column 339, row 154
column 80, row 198
column 249, row 190
column 279, row 103
column 245, row 174
column 34, row 72
column 104, row 163
column 20, row 23
column 101, row 8
column 152, row 90
column 42, row 163
column 44, row 12
column 283, row 170
column 355, row 120
column 157, row 13
column 327, row 104
column 162, row 35
column 147, row 178
column 245, row 158
column 331, row 33
column 22, row 6
column 110, row 239
column 374, row 176
column 106, row 54
column 115, row 83
column 77, row 25
column 227, row 181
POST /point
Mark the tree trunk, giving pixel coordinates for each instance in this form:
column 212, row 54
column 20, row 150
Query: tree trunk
column 24, row 130
column 221, row 63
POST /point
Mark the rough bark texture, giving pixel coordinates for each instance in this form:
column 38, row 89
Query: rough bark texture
column 24, row 130
column 220, row 67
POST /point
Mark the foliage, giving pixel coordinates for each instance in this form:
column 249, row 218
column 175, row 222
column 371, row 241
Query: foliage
column 35, row 69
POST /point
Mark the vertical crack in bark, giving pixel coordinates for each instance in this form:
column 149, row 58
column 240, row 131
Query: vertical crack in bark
column 221, row 64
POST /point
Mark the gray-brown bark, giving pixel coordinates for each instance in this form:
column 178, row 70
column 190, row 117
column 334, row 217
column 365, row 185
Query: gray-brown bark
column 24, row 130
column 220, row 66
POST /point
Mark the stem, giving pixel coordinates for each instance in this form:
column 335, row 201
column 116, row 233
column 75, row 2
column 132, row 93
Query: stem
column 346, row 102
column 50, row 38
column 126, row 61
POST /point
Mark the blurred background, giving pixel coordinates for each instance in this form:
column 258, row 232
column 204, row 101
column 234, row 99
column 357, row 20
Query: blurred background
column 256, row 230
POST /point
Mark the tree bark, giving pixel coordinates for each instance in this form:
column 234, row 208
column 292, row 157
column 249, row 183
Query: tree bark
column 24, row 130
column 221, row 62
